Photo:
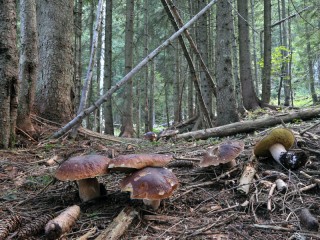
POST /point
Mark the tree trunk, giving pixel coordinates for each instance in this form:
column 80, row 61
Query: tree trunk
column 146, row 68
column 55, row 89
column 176, row 87
column 9, row 87
column 127, row 111
column 250, row 99
column 78, row 52
column 151, row 95
column 254, row 46
column 202, row 44
column 108, row 115
column 28, row 64
column 285, row 73
column 266, row 71
column 226, row 104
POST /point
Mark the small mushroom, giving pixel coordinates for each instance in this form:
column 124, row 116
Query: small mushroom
column 277, row 143
column 224, row 153
column 84, row 169
column 131, row 162
column 151, row 136
column 151, row 184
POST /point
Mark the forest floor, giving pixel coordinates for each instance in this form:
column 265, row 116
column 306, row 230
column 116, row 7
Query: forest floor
column 206, row 205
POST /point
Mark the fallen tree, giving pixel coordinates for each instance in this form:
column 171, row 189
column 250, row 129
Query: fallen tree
column 250, row 125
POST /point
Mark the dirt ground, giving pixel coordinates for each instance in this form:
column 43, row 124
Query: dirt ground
column 206, row 205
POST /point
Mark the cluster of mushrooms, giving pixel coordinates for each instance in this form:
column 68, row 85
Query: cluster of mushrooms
column 150, row 181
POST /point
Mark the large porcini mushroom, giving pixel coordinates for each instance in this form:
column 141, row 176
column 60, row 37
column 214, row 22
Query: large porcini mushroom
column 224, row 153
column 131, row 162
column 152, row 184
column 151, row 136
column 84, row 169
column 277, row 143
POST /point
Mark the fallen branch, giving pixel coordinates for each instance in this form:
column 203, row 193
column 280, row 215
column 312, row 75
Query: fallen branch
column 119, row 225
column 246, row 179
column 250, row 125
column 270, row 196
column 62, row 223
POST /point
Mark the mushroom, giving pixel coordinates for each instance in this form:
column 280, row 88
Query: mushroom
column 151, row 136
column 84, row 169
column 132, row 162
column 224, row 153
column 151, row 184
column 277, row 143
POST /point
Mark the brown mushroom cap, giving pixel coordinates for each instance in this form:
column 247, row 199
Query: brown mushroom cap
column 223, row 153
column 150, row 183
column 139, row 161
column 82, row 167
column 282, row 136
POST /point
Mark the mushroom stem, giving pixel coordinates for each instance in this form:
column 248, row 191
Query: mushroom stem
column 153, row 203
column 276, row 151
column 89, row 188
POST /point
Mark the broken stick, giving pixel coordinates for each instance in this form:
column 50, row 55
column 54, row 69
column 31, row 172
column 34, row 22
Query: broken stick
column 119, row 225
column 246, row 179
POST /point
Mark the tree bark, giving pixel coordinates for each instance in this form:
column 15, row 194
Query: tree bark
column 9, row 87
column 266, row 71
column 127, row 113
column 250, row 99
column 250, row 125
column 226, row 104
column 55, row 90
column 28, row 64
column 108, row 115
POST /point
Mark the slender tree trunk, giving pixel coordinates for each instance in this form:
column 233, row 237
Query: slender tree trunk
column 97, row 121
column 285, row 74
column 254, row 45
column 28, row 64
column 266, row 71
column 146, row 68
column 89, row 90
column 176, row 87
column 151, row 96
column 226, row 104
column 127, row 113
column 310, row 66
column 250, row 99
column 77, row 52
column 202, row 36
column 8, row 73
column 108, row 115
column 55, row 90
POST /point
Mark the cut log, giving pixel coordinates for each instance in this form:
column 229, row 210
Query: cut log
column 250, row 125
column 119, row 225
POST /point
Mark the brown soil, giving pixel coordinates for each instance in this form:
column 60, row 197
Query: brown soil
column 206, row 205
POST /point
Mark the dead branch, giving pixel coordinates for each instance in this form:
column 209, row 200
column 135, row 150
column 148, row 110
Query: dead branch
column 62, row 223
column 270, row 196
column 119, row 225
column 246, row 179
column 250, row 125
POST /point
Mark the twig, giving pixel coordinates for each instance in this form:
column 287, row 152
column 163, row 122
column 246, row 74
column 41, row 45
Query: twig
column 315, row 180
column 212, row 182
column 270, row 196
column 308, row 128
